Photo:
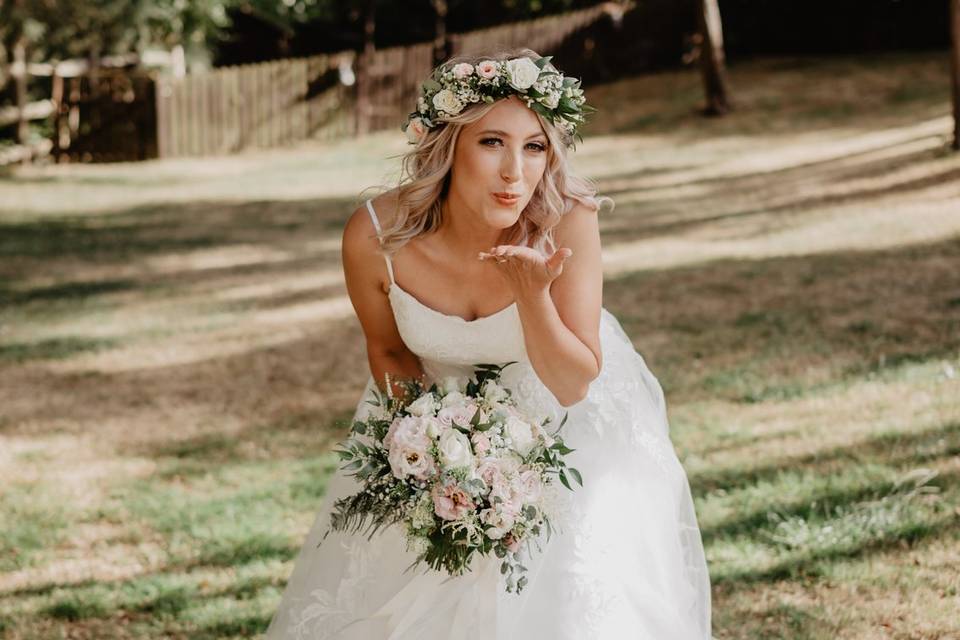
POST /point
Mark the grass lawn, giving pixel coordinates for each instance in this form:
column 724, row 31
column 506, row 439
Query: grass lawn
column 178, row 356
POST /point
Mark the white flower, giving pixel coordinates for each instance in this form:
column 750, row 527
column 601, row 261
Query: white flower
column 521, row 433
column 551, row 100
column 455, row 449
column 446, row 101
column 522, row 73
column 415, row 130
column 422, row 106
column 487, row 69
column 435, row 427
column 499, row 523
column 423, row 406
column 462, row 70
column 450, row 384
column 454, row 399
column 493, row 392
column 411, row 461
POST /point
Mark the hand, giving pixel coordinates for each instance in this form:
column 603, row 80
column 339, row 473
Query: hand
column 525, row 270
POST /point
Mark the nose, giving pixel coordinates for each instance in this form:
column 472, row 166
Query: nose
column 511, row 166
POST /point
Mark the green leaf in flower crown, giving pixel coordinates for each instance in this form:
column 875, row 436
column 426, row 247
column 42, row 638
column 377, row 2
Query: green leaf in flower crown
column 576, row 475
column 563, row 479
column 542, row 62
column 475, row 420
column 431, row 85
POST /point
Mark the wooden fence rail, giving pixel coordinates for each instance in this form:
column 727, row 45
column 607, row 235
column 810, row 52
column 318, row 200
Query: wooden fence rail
column 286, row 101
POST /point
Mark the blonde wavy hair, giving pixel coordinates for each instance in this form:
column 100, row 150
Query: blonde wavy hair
column 425, row 179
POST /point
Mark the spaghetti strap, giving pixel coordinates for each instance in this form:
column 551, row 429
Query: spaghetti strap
column 376, row 224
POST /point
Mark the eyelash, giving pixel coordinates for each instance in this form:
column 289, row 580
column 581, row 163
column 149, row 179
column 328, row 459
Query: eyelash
column 539, row 146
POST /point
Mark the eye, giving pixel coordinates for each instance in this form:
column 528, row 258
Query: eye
column 539, row 147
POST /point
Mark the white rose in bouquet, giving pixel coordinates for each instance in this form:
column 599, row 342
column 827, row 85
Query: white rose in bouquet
column 454, row 399
column 425, row 405
column 499, row 522
column 493, row 392
column 455, row 450
column 521, row 434
column 449, row 384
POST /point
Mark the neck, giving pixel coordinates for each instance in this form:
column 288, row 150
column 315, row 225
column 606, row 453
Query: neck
column 465, row 234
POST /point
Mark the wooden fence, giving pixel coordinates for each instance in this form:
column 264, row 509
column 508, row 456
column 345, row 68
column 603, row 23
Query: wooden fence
column 285, row 101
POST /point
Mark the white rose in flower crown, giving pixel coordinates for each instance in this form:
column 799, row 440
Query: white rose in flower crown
column 551, row 100
column 487, row 69
column 455, row 449
column 522, row 73
column 415, row 130
column 445, row 100
column 462, row 70
column 521, row 433
column 425, row 405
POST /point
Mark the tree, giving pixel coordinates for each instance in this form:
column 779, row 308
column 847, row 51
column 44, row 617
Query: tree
column 712, row 59
column 441, row 40
column 955, row 35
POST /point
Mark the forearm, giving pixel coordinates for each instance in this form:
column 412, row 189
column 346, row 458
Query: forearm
column 561, row 360
column 399, row 365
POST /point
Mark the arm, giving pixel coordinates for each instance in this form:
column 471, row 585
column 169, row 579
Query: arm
column 366, row 277
column 561, row 318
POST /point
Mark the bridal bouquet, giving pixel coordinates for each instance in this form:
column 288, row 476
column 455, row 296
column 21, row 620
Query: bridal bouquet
column 459, row 467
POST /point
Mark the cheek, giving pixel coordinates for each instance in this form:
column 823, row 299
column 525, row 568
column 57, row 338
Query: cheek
column 534, row 170
column 474, row 166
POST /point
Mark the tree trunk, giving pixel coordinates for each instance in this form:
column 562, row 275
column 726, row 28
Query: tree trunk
column 364, row 89
column 712, row 59
column 441, row 41
column 19, row 72
column 955, row 58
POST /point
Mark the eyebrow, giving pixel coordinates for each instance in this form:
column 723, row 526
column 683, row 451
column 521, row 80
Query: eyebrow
column 507, row 135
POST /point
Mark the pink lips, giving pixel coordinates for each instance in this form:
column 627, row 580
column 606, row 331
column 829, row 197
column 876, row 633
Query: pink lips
column 506, row 199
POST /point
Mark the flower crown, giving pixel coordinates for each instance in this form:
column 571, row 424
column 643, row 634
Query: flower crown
column 545, row 90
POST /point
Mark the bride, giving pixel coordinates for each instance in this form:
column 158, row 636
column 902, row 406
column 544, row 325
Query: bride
column 489, row 252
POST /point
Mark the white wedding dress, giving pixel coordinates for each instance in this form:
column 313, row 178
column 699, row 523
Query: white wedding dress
column 628, row 562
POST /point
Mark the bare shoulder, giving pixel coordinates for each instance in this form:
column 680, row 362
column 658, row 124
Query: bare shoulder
column 579, row 227
column 360, row 244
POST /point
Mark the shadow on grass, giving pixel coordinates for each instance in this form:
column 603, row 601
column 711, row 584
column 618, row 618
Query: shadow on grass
column 779, row 328
column 894, row 449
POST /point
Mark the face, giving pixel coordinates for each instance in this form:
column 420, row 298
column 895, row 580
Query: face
column 498, row 163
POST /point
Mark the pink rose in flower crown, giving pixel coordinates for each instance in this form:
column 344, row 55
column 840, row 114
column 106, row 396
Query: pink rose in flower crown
column 462, row 70
column 487, row 69
column 415, row 130
column 450, row 502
